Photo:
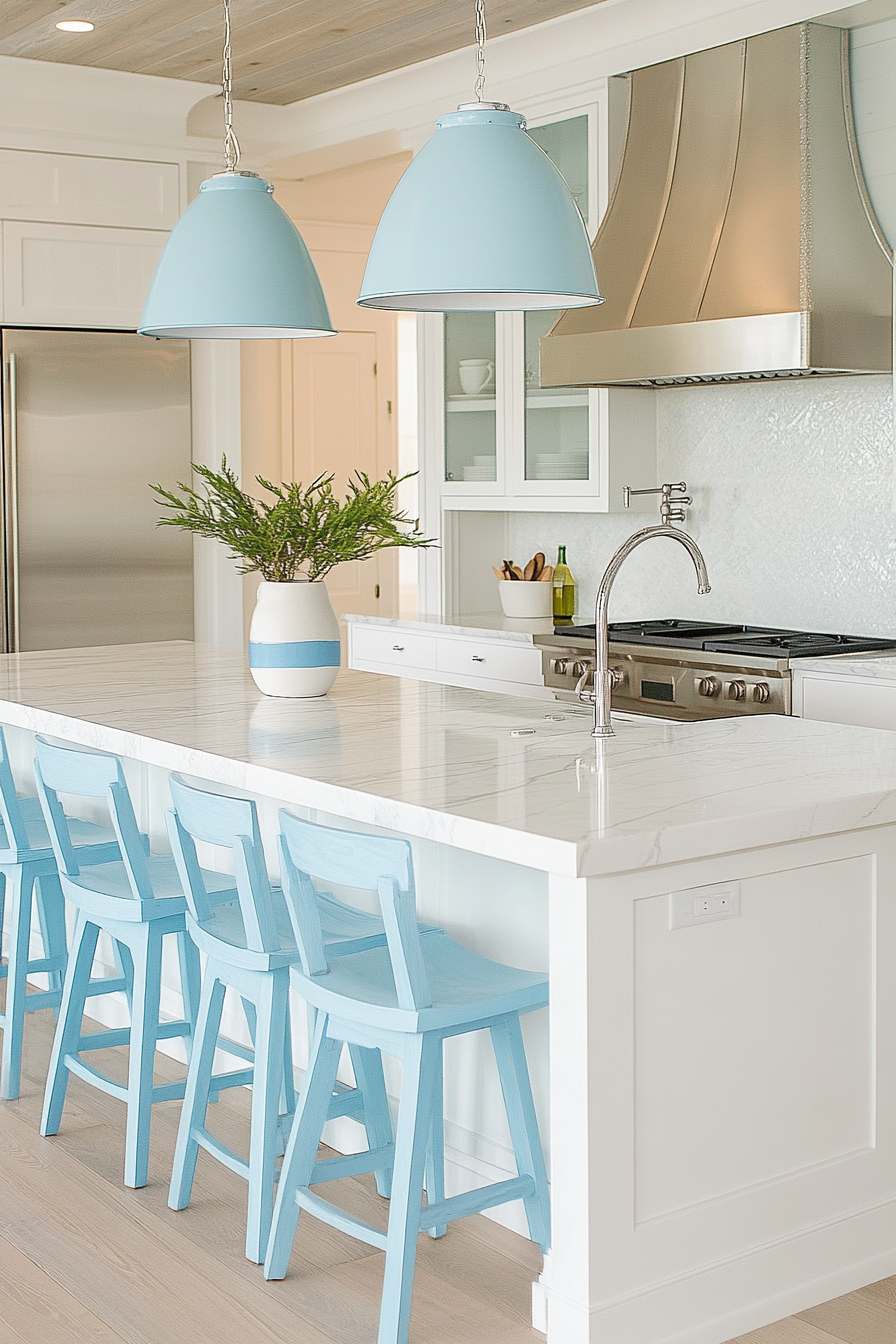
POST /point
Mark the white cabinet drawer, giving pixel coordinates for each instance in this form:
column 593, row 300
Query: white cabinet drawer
column 492, row 660
column 865, row 704
column 394, row 646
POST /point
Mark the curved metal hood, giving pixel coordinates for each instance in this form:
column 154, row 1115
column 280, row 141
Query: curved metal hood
column 739, row 242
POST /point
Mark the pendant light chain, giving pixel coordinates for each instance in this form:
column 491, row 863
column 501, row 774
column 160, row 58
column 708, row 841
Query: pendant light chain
column 231, row 144
column 480, row 57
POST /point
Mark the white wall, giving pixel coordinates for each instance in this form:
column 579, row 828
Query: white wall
column 792, row 481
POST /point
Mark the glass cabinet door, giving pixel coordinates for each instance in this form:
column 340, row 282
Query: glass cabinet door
column 557, row 437
column 471, row 442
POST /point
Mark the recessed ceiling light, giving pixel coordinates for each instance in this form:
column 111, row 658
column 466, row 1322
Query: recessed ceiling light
column 75, row 26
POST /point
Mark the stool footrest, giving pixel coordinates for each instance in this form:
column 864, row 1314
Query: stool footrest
column 95, row 1078
column 353, row 1164
column 106, row 1039
column 39, row 998
column 220, row 1082
column 220, row 1151
column 113, row 984
column 346, row 1100
column 235, row 1048
column 169, row 1029
column 338, row 1218
column 474, row 1201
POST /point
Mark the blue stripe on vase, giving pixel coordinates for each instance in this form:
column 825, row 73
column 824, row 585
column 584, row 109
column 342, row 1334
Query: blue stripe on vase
column 300, row 653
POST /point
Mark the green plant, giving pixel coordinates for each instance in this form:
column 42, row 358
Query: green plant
column 304, row 531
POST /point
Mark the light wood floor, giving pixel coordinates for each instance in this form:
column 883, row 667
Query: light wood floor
column 85, row 1261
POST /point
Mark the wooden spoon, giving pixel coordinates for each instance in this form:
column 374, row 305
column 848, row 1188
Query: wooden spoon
column 546, row 574
column 529, row 571
column 508, row 568
column 516, row 571
column 538, row 561
column 498, row 573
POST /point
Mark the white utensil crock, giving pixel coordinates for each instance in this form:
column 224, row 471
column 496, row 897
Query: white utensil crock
column 293, row 639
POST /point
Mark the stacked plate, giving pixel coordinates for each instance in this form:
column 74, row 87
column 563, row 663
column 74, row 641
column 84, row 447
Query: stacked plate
column 481, row 469
column 569, row 466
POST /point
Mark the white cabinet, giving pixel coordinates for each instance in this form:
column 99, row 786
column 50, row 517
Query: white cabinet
column 494, row 438
column 69, row 275
column 77, row 189
column 477, row 661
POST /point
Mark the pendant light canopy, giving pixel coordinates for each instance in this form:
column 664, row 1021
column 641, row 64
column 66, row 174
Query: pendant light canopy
column 235, row 266
column 481, row 220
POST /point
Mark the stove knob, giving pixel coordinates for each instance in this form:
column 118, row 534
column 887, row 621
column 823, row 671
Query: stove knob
column 560, row 666
column 579, row 669
column 736, row 690
column 706, row 686
column 760, row 693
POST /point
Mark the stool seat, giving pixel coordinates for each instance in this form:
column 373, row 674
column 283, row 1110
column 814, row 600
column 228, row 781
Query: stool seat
column 346, row 930
column 461, row 982
column 105, row 890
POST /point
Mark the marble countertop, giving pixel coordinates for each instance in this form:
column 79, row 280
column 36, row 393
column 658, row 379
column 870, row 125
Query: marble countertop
column 868, row 666
column 494, row 774
column 512, row 629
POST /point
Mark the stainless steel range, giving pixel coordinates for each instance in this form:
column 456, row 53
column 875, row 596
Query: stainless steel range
column 691, row 670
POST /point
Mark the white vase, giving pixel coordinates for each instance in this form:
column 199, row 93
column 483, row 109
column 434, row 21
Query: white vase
column 293, row 639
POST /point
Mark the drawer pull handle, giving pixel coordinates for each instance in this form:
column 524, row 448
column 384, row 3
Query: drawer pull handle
column 477, row 659
column 398, row 648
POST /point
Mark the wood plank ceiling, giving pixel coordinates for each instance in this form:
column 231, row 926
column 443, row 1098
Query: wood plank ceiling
column 283, row 50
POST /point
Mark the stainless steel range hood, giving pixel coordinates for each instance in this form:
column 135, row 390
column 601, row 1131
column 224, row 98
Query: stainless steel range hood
column 739, row 242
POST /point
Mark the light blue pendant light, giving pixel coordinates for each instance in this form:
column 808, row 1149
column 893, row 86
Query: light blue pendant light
column 480, row 220
column 235, row 266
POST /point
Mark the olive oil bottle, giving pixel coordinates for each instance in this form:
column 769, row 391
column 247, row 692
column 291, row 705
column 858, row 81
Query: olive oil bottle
column 564, row 588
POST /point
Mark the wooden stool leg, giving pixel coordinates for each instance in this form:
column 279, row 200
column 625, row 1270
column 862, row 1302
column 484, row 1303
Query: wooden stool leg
column 51, row 914
column 267, row 1081
column 68, row 1027
column 368, row 1070
column 19, row 889
column 147, row 955
column 507, row 1039
column 190, row 980
column 418, row 1086
column 196, row 1096
column 301, row 1151
column 435, row 1161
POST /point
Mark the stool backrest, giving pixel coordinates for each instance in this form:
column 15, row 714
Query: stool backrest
column 10, row 811
column 233, row 823
column 89, row 774
column 370, row 862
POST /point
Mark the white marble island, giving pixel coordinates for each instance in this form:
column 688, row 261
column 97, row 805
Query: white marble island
column 722, row 1095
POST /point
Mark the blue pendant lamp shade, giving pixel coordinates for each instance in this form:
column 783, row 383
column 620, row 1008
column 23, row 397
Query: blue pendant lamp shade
column 235, row 267
column 481, row 220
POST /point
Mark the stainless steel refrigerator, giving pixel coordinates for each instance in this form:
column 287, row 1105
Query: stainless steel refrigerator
column 90, row 419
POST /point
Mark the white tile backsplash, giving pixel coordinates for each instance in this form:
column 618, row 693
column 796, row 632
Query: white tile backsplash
column 793, row 509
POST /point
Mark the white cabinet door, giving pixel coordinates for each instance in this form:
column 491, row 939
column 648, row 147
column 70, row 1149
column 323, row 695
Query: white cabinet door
column 71, row 276
column 75, row 189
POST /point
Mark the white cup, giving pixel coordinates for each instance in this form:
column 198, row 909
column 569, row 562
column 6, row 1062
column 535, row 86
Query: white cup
column 475, row 375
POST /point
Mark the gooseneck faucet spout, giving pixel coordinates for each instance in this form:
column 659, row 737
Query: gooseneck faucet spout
column 604, row 678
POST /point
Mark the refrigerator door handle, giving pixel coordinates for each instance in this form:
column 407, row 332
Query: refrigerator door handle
column 11, row 506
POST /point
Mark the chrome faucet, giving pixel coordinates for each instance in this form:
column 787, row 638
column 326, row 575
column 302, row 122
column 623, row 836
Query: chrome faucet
column 604, row 678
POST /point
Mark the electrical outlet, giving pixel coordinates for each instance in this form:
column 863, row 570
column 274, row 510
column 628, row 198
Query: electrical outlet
column 702, row 905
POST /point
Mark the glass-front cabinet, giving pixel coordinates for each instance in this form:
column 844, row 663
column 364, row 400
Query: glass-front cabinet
column 503, row 440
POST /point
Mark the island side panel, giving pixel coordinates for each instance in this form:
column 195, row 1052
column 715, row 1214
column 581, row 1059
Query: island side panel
column 724, row 1094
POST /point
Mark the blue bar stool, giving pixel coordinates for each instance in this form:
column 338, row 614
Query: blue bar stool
column 406, row 999
column 251, row 947
column 28, row 878
column 136, row 898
